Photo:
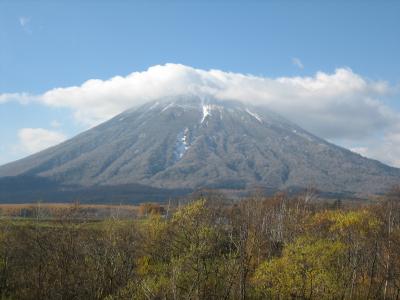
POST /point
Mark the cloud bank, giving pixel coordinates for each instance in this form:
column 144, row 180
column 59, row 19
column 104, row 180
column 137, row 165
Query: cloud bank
column 342, row 105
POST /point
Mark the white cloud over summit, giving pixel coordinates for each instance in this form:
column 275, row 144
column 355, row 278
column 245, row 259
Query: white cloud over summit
column 342, row 105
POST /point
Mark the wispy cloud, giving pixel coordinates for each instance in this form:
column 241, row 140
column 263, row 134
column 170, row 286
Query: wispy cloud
column 25, row 23
column 22, row 98
column 55, row 124
column 32, row 140
column 297, row 62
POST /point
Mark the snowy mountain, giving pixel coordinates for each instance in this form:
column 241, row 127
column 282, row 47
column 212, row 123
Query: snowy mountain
column 189, row 142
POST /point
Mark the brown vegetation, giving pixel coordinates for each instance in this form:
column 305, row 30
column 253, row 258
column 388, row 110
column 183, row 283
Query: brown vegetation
column 68, row 210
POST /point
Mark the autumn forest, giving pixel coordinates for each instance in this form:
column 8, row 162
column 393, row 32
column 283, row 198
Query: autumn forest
column 258, row 248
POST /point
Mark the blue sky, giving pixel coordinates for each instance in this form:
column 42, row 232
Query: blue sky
column 52, row 44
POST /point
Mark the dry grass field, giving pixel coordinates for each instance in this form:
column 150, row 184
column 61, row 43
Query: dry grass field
column 76, row 210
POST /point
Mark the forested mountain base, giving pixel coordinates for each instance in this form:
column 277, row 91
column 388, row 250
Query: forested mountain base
column 258, row 248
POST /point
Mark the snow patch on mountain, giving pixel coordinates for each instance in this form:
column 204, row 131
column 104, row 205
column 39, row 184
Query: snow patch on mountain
column 254, row 115
column 182, row 144
column 206, row 112
column 168, row 106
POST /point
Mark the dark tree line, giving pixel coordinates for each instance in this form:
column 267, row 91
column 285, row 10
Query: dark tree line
column 258, row 248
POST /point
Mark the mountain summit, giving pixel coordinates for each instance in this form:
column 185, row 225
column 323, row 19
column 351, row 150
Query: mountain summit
column 192, row 142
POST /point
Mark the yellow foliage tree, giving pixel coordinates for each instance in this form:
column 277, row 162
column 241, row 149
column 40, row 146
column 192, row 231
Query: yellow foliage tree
column 307, row 269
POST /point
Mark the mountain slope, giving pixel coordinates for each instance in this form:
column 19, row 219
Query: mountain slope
column 188, row 142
